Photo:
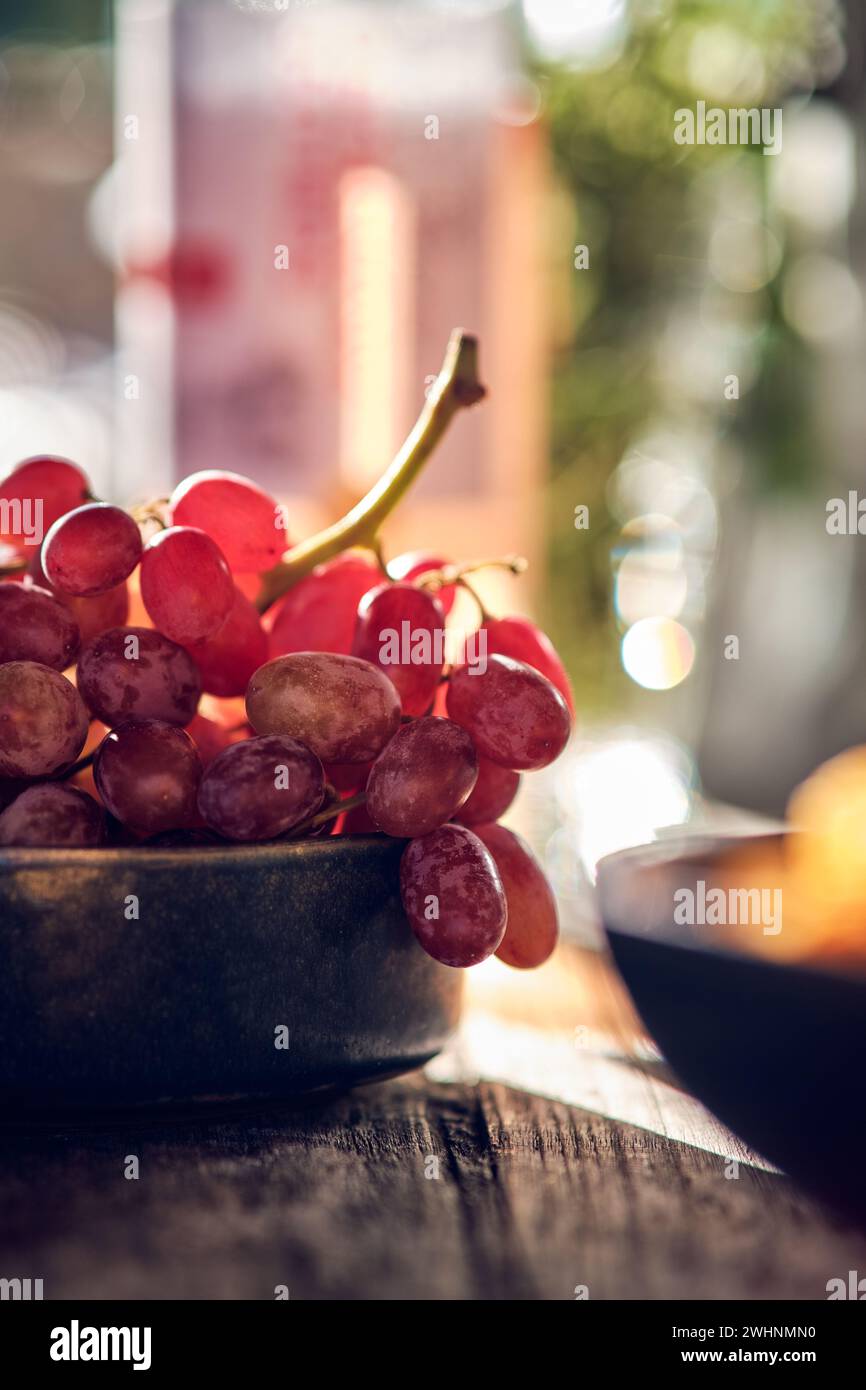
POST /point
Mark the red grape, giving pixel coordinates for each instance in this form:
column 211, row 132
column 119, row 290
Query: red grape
column 417, row 562
column 342, row 708
column 136, row 673
column 514, row 714
column 186, row 586
column 35, row 494
column 320, row 612
column 93, row 615
column 533, row 925
column 91, row 550
column 523, row 641
column 53, row 815
column 228, row 659
column 210, row 737
column 43, row 722
column 35, row 627
column 348, row 778
column 249, row 585
column 492, row 794
column 259, row 789
column 147, row 773
column 402, row 630
column 421, row 778
column 440, row 701
column 453, row 896
column 245, row 522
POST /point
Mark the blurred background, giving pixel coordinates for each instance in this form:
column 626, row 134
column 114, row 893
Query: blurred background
column 238, row 234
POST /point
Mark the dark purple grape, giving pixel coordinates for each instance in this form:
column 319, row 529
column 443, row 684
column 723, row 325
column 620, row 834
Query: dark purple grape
column 119, row 835
column 422, row 777
column 136, row 673
column 10, row 787
column 491, row 796
column 261, row 788
column 453, row 896
column 35, row 626
column 43, row 722
column 342, row 708
column 318, row 832
column 147, row 773
column 53, row 815
column 533, row 923
column 516, row 716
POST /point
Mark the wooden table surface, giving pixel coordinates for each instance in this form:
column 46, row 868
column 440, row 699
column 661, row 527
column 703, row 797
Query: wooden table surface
column 530, row 1162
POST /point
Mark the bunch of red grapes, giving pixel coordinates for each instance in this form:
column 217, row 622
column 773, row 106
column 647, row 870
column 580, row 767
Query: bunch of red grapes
column 342, row 732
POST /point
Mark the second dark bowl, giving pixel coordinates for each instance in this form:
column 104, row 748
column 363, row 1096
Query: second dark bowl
column 776, row 1050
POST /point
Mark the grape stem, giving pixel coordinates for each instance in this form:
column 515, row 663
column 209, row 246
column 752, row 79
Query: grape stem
column 452, row 574
column 74, row 768
column 151, row 511
column 456, row 575
column 484, row 616
column 329, row 813
column 456, row 387
column 376, row 547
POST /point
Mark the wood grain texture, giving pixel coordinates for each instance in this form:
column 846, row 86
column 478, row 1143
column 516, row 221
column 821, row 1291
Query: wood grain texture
column 533, row 1197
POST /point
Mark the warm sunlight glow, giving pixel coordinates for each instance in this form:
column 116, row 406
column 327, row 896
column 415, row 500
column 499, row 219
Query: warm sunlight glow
column 376, row 311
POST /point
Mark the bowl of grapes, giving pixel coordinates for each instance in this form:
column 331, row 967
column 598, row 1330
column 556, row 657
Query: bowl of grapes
column 251, row 787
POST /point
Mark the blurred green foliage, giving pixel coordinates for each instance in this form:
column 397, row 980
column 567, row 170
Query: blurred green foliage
column 638, row 203
column 79, row 21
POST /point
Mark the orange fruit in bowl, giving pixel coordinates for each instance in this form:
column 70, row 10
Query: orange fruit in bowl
column 826, row 861
column 830, row 809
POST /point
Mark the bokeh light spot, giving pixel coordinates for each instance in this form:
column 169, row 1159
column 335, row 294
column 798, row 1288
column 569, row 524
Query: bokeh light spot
column 658, row 653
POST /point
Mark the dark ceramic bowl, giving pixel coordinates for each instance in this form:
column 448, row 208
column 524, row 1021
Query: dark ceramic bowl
column 777, row 1051
column 100, row 1007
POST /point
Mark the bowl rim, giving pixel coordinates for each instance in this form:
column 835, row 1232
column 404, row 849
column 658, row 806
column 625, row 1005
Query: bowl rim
column 267, row 852
column 693, row 848
column 685, row 846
